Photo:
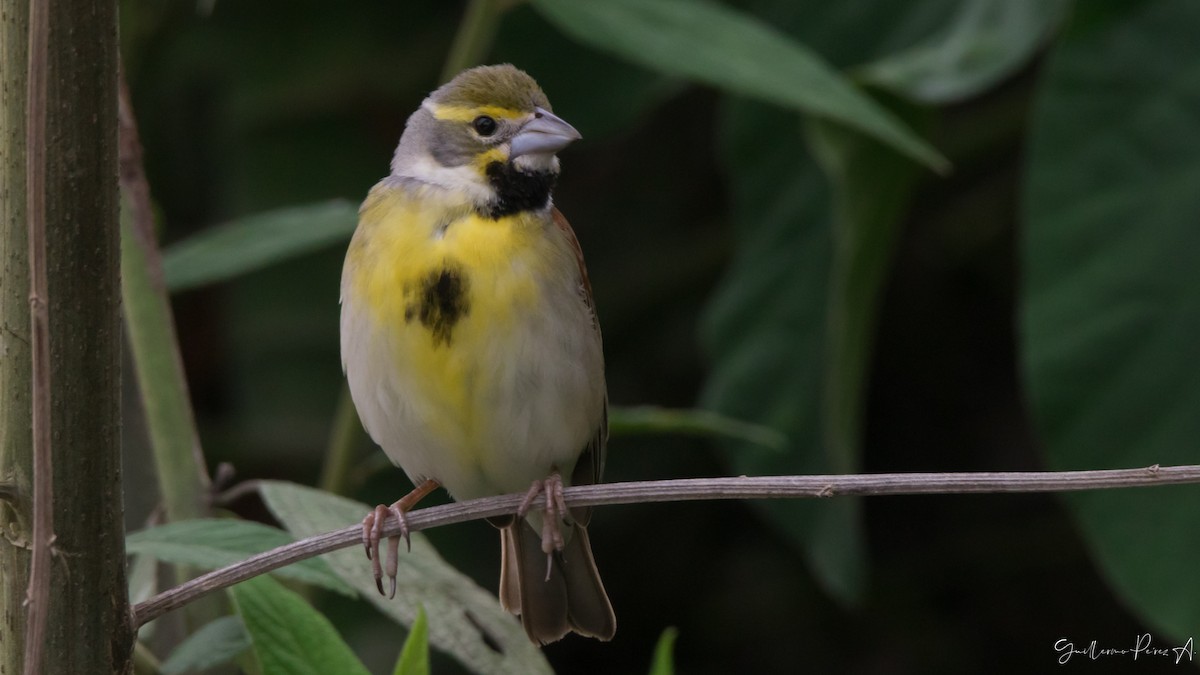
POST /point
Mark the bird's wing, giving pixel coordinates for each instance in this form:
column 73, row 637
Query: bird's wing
column 591, row 466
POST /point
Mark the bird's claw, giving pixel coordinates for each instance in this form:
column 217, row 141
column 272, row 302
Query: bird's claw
column 372, row 534
column 555, row 507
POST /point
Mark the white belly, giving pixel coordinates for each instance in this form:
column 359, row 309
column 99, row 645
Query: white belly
column 533, row 398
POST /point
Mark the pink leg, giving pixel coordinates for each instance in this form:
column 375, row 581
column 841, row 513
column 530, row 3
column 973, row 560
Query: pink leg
column 372, row 533
column 555, row 508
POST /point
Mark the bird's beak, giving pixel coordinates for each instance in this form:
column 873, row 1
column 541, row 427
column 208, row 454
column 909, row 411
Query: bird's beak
column 545, row 134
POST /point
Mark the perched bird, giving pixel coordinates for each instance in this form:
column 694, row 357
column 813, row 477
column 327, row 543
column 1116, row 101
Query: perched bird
column 471, row 344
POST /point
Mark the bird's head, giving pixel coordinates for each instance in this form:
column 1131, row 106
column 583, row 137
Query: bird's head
column 489, row 133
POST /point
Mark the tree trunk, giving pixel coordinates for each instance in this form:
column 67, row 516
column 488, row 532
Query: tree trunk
column 88, row 629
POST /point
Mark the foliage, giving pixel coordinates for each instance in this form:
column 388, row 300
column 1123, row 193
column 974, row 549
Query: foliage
column 767, row 242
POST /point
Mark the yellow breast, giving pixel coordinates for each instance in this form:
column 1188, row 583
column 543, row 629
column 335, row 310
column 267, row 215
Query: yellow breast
column 443, row 286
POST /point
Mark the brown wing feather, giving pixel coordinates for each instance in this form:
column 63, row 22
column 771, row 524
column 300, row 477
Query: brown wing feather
column 588, row 471
column 561, row 222
column 572, row 597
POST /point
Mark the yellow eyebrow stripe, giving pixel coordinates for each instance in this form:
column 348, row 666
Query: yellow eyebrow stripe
column 456, row 113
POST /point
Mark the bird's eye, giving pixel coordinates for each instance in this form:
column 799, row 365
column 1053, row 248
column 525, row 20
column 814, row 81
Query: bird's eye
column 484, row 125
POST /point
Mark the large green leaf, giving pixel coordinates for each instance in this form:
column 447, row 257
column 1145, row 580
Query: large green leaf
column 718, row 45
column 766, row 329
column 213, row 543
column 254, row 242
column 983, row 42
column 1111, row 294
column 465, row 621
column 289, row 636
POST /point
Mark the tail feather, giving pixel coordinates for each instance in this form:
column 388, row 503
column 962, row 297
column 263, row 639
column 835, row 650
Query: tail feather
column 572, row 599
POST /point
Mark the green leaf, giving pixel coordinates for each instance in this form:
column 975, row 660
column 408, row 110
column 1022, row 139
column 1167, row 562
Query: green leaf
column 289, row 636
column 218, row 642
column 465, row 621
column 705, row 423
column 720, row 46
column 213, row 543
column 983, row 42
column 414, row 658
column 1111, row 294
column 255, row 242
column 766, row 331
column 664, row 653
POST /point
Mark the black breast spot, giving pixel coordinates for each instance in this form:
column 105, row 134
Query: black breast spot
column 441, row 302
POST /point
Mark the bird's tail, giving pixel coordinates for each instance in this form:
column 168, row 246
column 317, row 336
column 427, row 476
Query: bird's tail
column 571, row 599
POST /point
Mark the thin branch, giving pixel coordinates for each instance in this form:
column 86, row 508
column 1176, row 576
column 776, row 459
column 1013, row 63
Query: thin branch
column 38, row 595
column 763, row 487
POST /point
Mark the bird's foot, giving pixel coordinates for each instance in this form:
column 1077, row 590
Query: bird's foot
column 555, row 510
column 372, row 534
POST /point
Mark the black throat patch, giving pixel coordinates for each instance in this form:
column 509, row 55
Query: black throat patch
column 517, row 190
column 440, row 302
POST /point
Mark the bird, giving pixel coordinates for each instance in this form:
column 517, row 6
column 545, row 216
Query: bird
column 471, row 343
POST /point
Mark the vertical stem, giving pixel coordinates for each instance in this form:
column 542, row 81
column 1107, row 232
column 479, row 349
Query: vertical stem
column 343, row 441
column 70, row 72
column 39, row 321
column 179, row 462
column 16, row 462
column 476, row 32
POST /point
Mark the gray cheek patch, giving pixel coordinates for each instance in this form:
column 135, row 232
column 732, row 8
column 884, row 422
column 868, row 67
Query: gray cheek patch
column 453, row 144
column 451, row 147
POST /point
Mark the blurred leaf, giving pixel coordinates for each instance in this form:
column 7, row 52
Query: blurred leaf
column 414, row 658
column 1111, row 293
column 465, row 621
column 725, row 48
column 766, row 331
column 289, row 636
column 214, row 543
column 872, row 190
column 852, row 32
column 705, row 423
column 664, row 653
column 215, row 643
column 254, row 242
column 982, row 43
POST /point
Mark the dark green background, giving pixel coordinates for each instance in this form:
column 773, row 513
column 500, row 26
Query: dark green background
column 1038, row 307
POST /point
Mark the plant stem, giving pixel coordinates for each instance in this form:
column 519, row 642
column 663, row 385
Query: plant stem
column 476, row 32
column 343, row 441
column 761, row 487
column 39, row 325
column 182, row 476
